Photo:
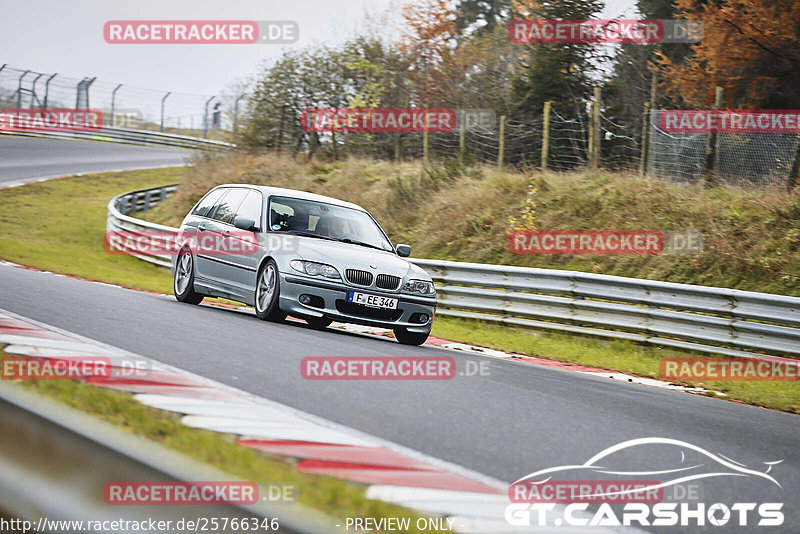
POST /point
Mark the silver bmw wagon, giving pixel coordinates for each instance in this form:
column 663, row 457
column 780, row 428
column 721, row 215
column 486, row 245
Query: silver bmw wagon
column 289, row 252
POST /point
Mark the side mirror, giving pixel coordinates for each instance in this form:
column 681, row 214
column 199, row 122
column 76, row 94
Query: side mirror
column 243, row 223
column 403, row 251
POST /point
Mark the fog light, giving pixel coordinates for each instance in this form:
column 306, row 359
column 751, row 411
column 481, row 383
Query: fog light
column 420, row 318
column 305, row 299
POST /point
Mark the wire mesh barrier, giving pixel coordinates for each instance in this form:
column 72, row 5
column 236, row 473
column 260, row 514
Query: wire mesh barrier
column 122, row 105
column 740, row 158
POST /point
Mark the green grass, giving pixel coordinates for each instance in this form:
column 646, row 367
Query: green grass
column 337, row 498
column 59, row 226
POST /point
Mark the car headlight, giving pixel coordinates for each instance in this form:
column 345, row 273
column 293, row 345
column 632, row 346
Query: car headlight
column 419, row 286
column 313, row 268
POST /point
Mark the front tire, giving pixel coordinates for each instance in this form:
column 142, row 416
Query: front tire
column 405, row 337
column 183, row 286
column 268, row 293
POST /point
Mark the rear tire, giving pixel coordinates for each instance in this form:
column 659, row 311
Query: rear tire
column 410, row 338
column 318, row 323
column 268, row 293
column 183, row 284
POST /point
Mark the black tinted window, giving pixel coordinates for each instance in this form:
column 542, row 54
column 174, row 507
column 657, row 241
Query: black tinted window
column 205, row 205
column 251, row 207
column 226, row 209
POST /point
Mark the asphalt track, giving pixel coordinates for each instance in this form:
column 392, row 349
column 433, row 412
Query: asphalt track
column 33, row 157
column 519, row 419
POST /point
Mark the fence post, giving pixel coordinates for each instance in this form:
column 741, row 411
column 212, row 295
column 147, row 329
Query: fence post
column 645, row 139
column 594, row 132
column 113, row 102
column 398, row 147
column 279, row 142
column 425, row 146
column 711, row 146
column 462, row 128
column 546, row 133
column 793, row 175
column 205, row 117
column 501, row 150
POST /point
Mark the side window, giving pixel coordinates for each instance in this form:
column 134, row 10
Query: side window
column 251, row 207
column 205, row 205
column 226, row 209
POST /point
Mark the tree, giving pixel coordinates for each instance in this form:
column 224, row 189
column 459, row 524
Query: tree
column 750, row 47
column 482, row 16
column 557, row 72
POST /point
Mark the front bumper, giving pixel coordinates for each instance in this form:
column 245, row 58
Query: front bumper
column 336, row 307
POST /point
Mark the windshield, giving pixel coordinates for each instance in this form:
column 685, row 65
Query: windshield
column 326, row 221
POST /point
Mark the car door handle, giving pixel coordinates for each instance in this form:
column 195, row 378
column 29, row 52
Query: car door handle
column 201, row 228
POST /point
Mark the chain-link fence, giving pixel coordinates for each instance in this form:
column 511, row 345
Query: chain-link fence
column 122, row 105
column 740, row 158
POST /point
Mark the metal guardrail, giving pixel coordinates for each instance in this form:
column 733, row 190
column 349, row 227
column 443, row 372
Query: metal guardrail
column 128, row 136
column 689, row 317
column 55, row 462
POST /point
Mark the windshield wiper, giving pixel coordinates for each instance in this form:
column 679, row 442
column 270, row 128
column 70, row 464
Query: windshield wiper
column 308, row 234
column 363, row 244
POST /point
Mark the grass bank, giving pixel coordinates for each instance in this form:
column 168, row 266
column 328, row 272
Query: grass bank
column 752, row 237
column 74, row 211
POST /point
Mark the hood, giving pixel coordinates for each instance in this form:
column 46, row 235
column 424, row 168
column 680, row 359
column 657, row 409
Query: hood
column 348, row 256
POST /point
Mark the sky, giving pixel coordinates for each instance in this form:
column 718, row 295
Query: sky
column 66, row 36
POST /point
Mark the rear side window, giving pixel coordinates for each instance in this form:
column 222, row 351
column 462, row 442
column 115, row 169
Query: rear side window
column 204, row 206
column 226, row 208
column 251, row 207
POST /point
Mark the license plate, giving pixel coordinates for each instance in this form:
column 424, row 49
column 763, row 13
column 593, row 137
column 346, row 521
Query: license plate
column 373, row 301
